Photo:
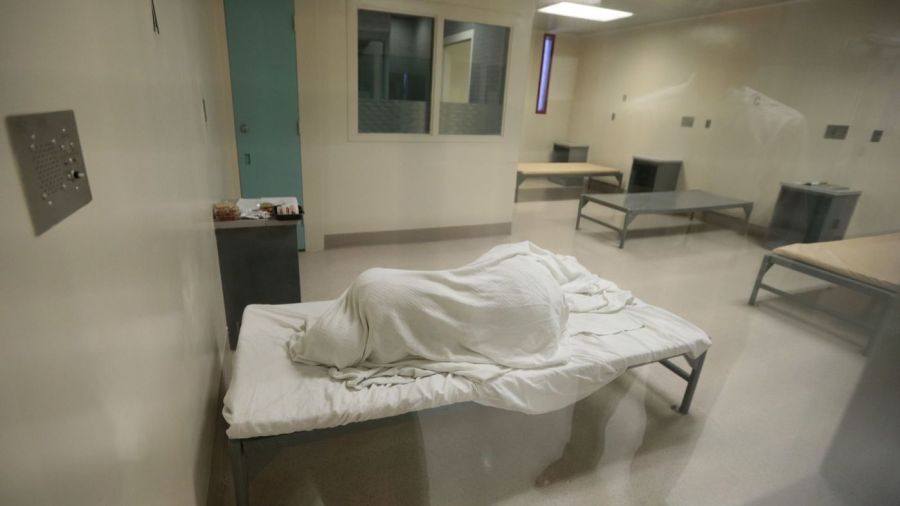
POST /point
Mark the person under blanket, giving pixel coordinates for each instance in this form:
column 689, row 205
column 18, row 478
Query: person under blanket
column 513, row 308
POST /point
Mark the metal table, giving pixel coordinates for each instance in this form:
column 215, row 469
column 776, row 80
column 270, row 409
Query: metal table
column 633, row 204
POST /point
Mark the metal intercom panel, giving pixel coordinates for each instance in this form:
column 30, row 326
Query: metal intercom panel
column 51, row 165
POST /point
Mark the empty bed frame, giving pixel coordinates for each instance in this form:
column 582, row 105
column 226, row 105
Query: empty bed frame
column 273, row 402
column 869, row 265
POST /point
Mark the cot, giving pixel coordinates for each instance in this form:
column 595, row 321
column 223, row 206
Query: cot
column 562, row 169
column 674, row 202
column 869, row 265
column 273, row 402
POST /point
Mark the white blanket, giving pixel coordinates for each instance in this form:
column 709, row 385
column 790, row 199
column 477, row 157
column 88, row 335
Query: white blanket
column 516, row 307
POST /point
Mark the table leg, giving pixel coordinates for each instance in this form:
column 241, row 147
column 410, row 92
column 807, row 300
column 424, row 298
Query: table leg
column 618, row 179
column 519, row 179
column 624, row 233
column 586, row 184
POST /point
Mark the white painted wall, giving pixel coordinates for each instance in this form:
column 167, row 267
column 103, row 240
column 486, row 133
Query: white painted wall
column 540, row 131
column 353, row 185
column 112, row 320
column 809, row 63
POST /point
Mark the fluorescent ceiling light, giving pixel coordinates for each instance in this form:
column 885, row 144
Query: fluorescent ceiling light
column 574, row 10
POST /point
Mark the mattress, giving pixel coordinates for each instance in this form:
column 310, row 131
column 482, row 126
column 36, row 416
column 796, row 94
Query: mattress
column 565, row 169
column 874, row 260
column 270, row 395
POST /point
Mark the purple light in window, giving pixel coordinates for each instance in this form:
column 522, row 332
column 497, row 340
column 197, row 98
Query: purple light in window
column 544, row 78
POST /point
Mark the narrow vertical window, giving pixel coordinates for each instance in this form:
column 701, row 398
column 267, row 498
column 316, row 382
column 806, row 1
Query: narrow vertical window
column 544, row 78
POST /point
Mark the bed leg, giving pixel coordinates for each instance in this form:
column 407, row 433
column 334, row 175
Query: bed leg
column 696, row 367
column 241, row 487
column 624, row 232
column 581, row 203
column 763, row 268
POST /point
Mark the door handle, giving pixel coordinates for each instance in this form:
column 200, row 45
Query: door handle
column 244, row 128
column 247, row 158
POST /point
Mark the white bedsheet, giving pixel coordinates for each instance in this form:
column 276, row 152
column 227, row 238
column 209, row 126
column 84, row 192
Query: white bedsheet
column 270, row 395
column 508, row 309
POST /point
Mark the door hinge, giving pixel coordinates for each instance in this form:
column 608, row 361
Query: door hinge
column 298, row 128
column 293, row 20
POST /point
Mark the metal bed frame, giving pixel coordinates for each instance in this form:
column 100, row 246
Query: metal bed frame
column 879, row 294
column 586, row 178
column 250, row 455
column 632, row 213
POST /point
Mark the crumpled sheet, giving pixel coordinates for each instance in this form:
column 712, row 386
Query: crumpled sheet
column 517, row 307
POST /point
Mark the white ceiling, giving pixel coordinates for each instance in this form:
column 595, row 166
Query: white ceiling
column 645, row 12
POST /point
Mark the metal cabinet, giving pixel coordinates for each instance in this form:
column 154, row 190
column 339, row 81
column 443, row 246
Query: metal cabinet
column 567, row 153
column 806, row 212
column 258, row 264
column 650, row 175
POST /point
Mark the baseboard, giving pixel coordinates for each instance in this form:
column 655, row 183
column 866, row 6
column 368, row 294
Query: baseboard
column 416, row 235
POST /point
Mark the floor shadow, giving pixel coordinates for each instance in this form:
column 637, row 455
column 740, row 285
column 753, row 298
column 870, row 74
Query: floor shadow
column 584, row 450
column 465, row 453
column 380, row 465
column 665, row 427
column 863, row 459
column 836, row 311
column 612, row 237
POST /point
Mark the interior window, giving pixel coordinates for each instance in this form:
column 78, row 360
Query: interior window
column 473, row 78
column 394, row 72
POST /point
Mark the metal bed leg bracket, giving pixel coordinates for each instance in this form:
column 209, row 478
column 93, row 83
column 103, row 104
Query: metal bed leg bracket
column 692, row 378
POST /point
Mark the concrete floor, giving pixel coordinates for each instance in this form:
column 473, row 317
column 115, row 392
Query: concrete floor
column 774, row 388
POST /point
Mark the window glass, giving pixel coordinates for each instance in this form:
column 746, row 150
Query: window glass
column 394, row 69
column 544, row 78
column 473, row 78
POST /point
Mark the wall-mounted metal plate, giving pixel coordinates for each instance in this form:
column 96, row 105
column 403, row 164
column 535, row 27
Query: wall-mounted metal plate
column 876, row 135
column 687, row 121
column 51, row 166
column 838, row 132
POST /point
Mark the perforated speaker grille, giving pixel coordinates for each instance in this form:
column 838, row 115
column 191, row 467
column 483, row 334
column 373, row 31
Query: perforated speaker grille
column 53, row 174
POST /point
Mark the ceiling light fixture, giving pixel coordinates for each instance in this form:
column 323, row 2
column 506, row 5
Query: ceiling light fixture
column 574, row 10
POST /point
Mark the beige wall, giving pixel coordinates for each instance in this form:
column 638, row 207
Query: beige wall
column 112, row 320
column 352, row 185
column 770, row 79
column 540, row 131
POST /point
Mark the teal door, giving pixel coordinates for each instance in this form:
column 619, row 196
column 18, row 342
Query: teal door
column 263, row 57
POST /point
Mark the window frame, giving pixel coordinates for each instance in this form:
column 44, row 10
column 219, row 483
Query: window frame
column 414, row 8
